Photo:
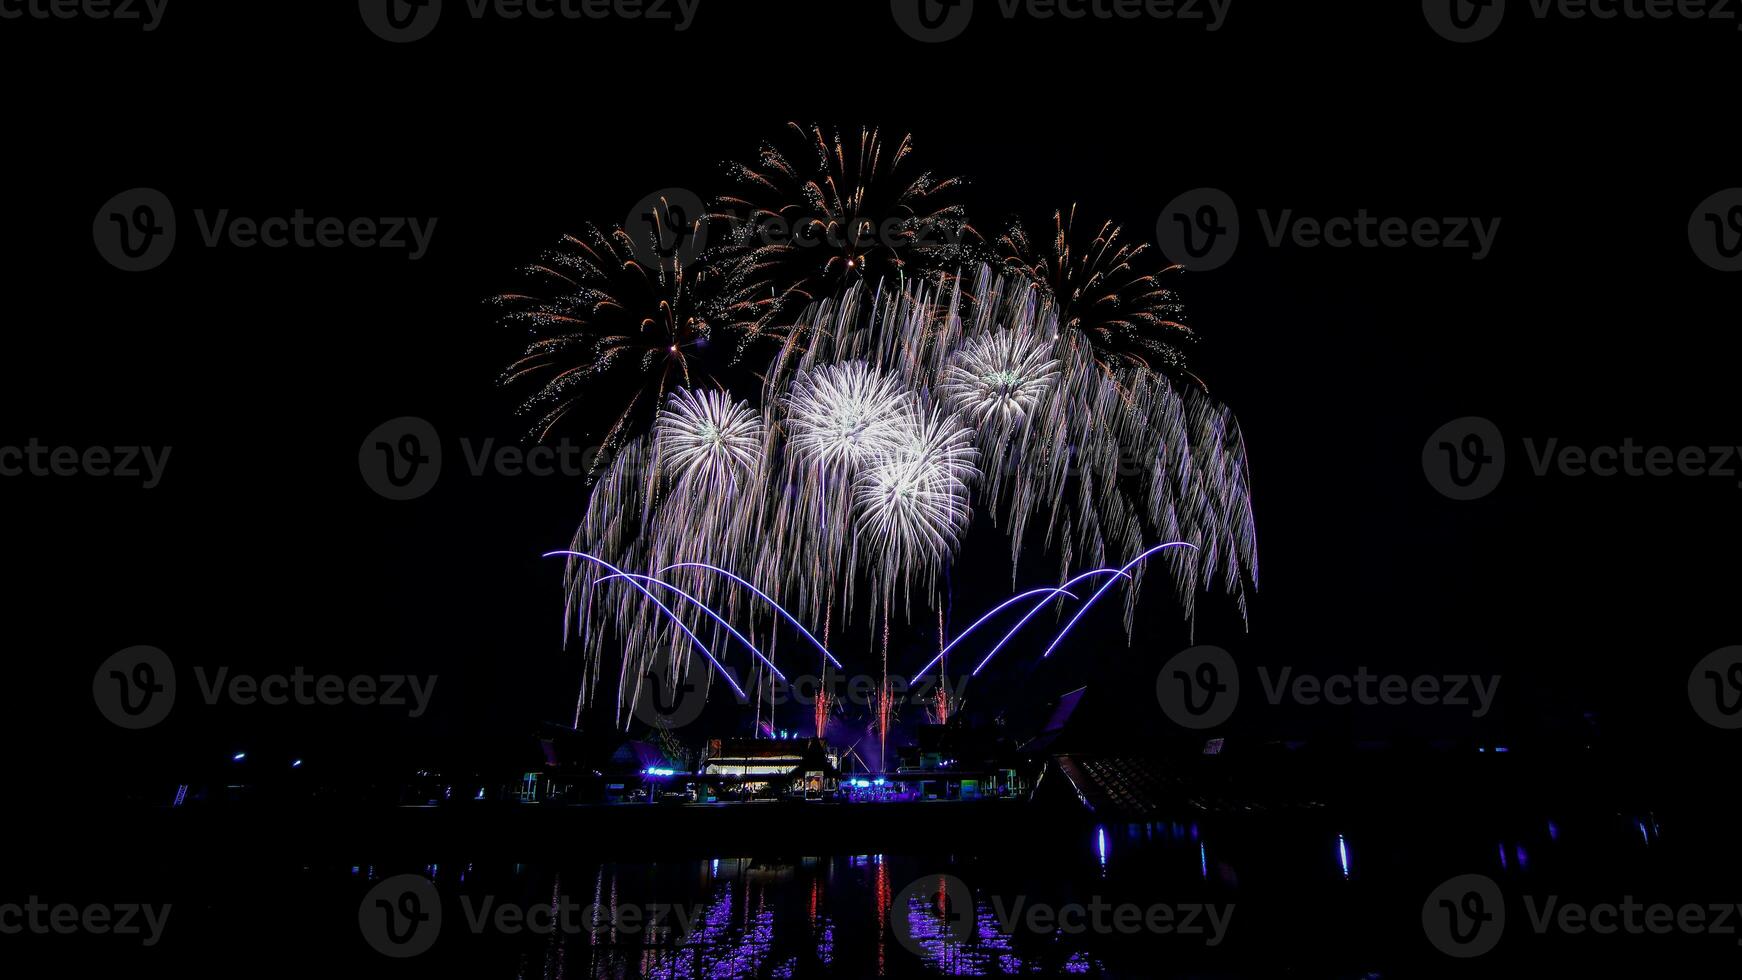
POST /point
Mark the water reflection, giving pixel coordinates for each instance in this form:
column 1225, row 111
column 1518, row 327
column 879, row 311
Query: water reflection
column 893, row 915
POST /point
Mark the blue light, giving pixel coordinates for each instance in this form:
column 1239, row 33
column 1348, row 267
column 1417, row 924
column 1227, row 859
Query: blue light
column 1500, row 748
column 1203, row 861
column 296, row 763
column 1101, row 844
column 659, row 771
column 879, row 781
column 238, row 757
column 1343, row 854
column 861, row 784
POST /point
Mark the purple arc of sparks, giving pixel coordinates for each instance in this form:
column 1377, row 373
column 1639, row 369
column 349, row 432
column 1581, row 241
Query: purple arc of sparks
column 1115, row 573
column 1007, row 603
column 765, row 598
column 1133, row 563
column 704, row 608
column 662, row 608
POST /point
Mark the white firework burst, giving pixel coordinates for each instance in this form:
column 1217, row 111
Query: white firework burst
column 998, row 378
column 911, row 501
column 843, row 415
column 709, row 441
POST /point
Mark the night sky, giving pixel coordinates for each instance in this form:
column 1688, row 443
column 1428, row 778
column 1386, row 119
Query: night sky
column 1591, row 321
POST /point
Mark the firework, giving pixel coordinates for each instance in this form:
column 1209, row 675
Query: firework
column 602, row 325
column 911, row 501
column 997, row 380
column 1103, row 292
column 817, row 212
column 840, row 417
column 829, row 480
column 710, row 442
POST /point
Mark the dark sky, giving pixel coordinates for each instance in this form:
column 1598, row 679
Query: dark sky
column 263, row 549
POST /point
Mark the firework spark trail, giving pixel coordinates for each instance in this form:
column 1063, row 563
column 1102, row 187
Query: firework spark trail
column 650, row 580
column 765, row 598
column 1104, row 587
column 995, row 610
column 1114, row 575
column 727, row 675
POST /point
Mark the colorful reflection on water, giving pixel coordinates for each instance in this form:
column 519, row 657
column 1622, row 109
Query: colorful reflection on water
column 1296, row 886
